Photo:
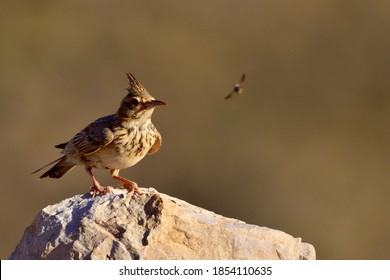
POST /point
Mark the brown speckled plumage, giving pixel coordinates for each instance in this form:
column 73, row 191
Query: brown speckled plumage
column 113, row 142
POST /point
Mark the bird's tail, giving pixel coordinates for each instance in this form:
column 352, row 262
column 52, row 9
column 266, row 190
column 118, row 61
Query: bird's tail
column 58, row 170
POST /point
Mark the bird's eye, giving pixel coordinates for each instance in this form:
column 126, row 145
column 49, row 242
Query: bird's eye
column 134, row 101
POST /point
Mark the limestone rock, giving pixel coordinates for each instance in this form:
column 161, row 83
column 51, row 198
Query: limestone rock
column 150, row 226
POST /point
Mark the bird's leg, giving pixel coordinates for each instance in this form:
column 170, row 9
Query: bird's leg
column 96, row 188
column 127, row 184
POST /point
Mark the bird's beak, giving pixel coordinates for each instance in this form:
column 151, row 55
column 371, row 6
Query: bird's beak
column 151, row 104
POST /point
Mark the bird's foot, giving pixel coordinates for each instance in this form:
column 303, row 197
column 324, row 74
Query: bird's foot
column 130, row 186
column 96, row 189
column 100, row 190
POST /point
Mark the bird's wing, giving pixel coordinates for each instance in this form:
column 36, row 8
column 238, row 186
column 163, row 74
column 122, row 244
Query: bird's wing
column 92, row 138
column 242, row 78
column 156, row 146
column 229, row 95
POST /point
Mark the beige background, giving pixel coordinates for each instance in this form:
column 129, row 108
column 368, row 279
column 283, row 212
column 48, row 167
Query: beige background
column 306, row 150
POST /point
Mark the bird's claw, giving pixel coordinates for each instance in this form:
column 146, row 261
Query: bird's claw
column 131, row 188
column 100, row 190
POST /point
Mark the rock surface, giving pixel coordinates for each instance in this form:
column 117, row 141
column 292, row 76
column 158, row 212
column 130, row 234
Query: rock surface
column 151, row 226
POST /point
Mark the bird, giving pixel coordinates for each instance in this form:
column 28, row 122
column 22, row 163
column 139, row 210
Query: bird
column 113, row 142
column 237, row 88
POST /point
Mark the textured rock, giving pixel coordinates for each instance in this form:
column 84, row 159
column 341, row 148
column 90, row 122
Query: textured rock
column 151, row 226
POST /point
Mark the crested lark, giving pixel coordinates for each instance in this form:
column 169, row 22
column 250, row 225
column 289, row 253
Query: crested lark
column 113, row 142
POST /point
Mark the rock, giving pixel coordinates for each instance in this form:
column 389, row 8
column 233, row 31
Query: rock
column 151, row 226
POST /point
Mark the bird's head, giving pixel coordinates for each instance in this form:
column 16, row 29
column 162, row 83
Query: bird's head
column 138, row 103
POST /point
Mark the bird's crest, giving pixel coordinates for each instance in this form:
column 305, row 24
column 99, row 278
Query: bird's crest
column 134, row 86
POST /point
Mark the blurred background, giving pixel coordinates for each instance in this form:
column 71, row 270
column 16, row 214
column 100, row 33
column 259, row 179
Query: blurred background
column 305, row 150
